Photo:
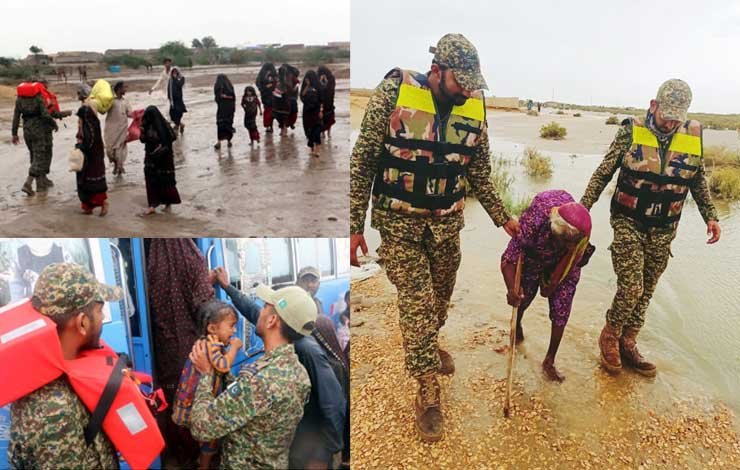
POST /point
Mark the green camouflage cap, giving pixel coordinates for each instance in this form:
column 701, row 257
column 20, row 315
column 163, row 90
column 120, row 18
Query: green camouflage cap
column 674, row 99
column 63, row 288
column 456, row 52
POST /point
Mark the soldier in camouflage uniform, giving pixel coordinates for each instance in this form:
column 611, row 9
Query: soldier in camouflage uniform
column 256, row 416
column 423, row 140
column 38, row 124
column 47, row 425
column 660, row 161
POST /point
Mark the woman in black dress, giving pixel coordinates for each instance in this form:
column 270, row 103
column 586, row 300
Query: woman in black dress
column 226, row 101
column 311, row 97
column 174, row 94
column 159, row 161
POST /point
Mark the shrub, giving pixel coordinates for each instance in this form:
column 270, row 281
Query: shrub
column 577, row 115
column 500, row 176
column 719, row 155
column 725, row 183
column 553, row 131
column 560, row 111
column 612, row 120
column 532, row 112
column 318, row 56
column 516, row 206
column 536, row 164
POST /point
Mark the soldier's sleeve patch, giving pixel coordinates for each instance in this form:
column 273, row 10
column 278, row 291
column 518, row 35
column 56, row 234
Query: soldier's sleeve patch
column 234, row 390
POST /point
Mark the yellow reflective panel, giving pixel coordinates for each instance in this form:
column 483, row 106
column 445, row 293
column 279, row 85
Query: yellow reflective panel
column 643, row 136
column 415, row 98
column 684, row 143
column 473, row 109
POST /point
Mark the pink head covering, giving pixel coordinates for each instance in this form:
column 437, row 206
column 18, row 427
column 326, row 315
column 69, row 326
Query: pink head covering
column 576, row 215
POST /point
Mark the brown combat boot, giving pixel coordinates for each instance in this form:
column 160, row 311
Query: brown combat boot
column 447, row 365
column 631, row 355
column 429, row 421
column 28, row 186
column 46, row 181
column 609, row 346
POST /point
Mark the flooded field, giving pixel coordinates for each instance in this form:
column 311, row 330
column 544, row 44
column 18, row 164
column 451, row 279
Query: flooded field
column 684, row 417
column 272, row 189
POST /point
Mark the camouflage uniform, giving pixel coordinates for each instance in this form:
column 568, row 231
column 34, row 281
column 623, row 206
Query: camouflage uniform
column 256, row 417
column 38, row 125
column 47, row 425
column 639, row 254
column 421, row 254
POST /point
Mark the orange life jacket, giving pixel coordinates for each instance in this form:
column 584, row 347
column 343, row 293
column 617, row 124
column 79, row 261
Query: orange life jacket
column 31, row 89
column 31, row 355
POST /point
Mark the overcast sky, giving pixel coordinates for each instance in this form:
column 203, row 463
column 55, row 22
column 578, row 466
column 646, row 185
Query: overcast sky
column 609, row 53
column 64, row 25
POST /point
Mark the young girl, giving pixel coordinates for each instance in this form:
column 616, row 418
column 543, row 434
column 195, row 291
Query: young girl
column 251, row 105
column 218, row 325
column 311, row 97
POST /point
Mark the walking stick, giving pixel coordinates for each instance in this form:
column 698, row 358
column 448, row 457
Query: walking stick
column 512, row 338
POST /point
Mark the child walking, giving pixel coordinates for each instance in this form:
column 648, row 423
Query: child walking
column 251, row 105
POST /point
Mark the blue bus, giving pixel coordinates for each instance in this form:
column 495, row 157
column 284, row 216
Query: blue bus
column 122, row 262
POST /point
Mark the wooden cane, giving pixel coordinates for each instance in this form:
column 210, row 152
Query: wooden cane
column 512, row 339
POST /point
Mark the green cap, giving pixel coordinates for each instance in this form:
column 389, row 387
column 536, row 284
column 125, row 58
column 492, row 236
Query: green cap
column 63, row 288
column 293, row 305
column 674, row 99
column 456, row 52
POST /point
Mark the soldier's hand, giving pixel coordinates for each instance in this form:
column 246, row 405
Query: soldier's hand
column 356, row 240
column 514, row 299
column 222, row 277
column 511, row 227
column 713, row 230
column 16, row 140
column 199, row 357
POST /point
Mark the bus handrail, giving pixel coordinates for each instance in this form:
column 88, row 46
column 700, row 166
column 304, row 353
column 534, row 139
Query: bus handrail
column 124, row 287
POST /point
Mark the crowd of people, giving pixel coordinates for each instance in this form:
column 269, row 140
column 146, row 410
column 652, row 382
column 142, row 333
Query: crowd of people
column 279, row 89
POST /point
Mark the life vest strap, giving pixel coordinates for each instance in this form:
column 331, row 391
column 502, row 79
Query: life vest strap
column 651, row 196
column 422, row 167
column 643, row 220
column 416, row 199
column 655, row 178
column 443, row 148
column 106, row 400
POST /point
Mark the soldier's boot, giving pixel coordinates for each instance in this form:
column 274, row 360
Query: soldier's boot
column 609, row 346
column 28, row 186
column 447, row 365
column 631, row 355
column 47, row 182
column 41, row 185
column 429, row 420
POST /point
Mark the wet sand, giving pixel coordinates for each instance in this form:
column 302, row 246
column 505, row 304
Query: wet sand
column 685, row 417
column 272, row 189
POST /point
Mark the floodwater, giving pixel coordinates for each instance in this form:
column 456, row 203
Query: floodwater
column 691, row 330
column 272, row 189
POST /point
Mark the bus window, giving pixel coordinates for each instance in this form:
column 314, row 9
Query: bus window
column 316, row 252
column 281, row 261
column 23, row 259
column 231, row 257
column 342, row 256
column 252, row 259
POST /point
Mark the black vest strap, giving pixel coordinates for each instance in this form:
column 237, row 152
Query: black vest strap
column 106, row 400
column 419, row 200
column 655, row 178
column 438, row 148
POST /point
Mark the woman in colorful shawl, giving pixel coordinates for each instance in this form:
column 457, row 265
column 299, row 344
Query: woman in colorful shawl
column 311, row 97
column 159, row 162
column 174, row 94
column 91, row 184
column 553, row 245
column 226, row 101
column 328, row 86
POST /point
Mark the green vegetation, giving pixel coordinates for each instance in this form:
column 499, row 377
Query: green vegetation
column 723, row 166
column 553, row 131
column 177, row 51
column 500, row 176
column 274, row 54
column 131, row 61
column 318, row 56
column 612, row 120
column 516, row 206
column 24, row 72
column 560, row 111
column 577, row 115
column 536, row 164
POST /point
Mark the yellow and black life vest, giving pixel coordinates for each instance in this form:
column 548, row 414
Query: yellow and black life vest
column 651, row 190
column 423, row 166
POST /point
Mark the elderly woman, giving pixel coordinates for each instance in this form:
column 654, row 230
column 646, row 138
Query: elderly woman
column 553, row 244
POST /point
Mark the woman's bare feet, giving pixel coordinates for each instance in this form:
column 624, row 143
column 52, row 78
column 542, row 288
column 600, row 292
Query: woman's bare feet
column 548, row 367
column 167, row 208
column 104, row 209
column 148, row 211
column 87, row 211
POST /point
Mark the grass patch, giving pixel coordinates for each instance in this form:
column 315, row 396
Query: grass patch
column 724, row 183
column 577, row 115
column 553, row 131
column 719, row 155
column 500, row 176
column 612, row 120
column 515, row 206
column 560, row 111
column 535, row 164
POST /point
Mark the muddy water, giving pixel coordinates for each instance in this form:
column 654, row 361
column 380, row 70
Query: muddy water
column 272, row 189
column 691, row 330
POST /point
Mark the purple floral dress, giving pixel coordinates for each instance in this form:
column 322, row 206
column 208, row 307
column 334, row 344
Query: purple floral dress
column 541, row 255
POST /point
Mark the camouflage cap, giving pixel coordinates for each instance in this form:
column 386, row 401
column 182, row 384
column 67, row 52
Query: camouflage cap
column 456, row 52
column 309, row 270
column 63, row 288
column 674, row 99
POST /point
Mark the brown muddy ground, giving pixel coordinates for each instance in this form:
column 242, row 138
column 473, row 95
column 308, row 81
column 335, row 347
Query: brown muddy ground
column 272, row 189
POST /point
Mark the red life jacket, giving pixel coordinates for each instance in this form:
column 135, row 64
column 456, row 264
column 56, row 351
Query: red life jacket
column 31, row 355
column 31, row 89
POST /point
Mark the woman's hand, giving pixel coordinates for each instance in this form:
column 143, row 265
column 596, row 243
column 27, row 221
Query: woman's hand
column 514, row 299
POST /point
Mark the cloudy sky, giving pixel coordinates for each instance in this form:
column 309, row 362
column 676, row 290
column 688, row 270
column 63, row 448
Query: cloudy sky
column 84, row 25
column 586, row 52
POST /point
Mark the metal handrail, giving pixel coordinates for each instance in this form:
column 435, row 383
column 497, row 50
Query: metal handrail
column 127, row 318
